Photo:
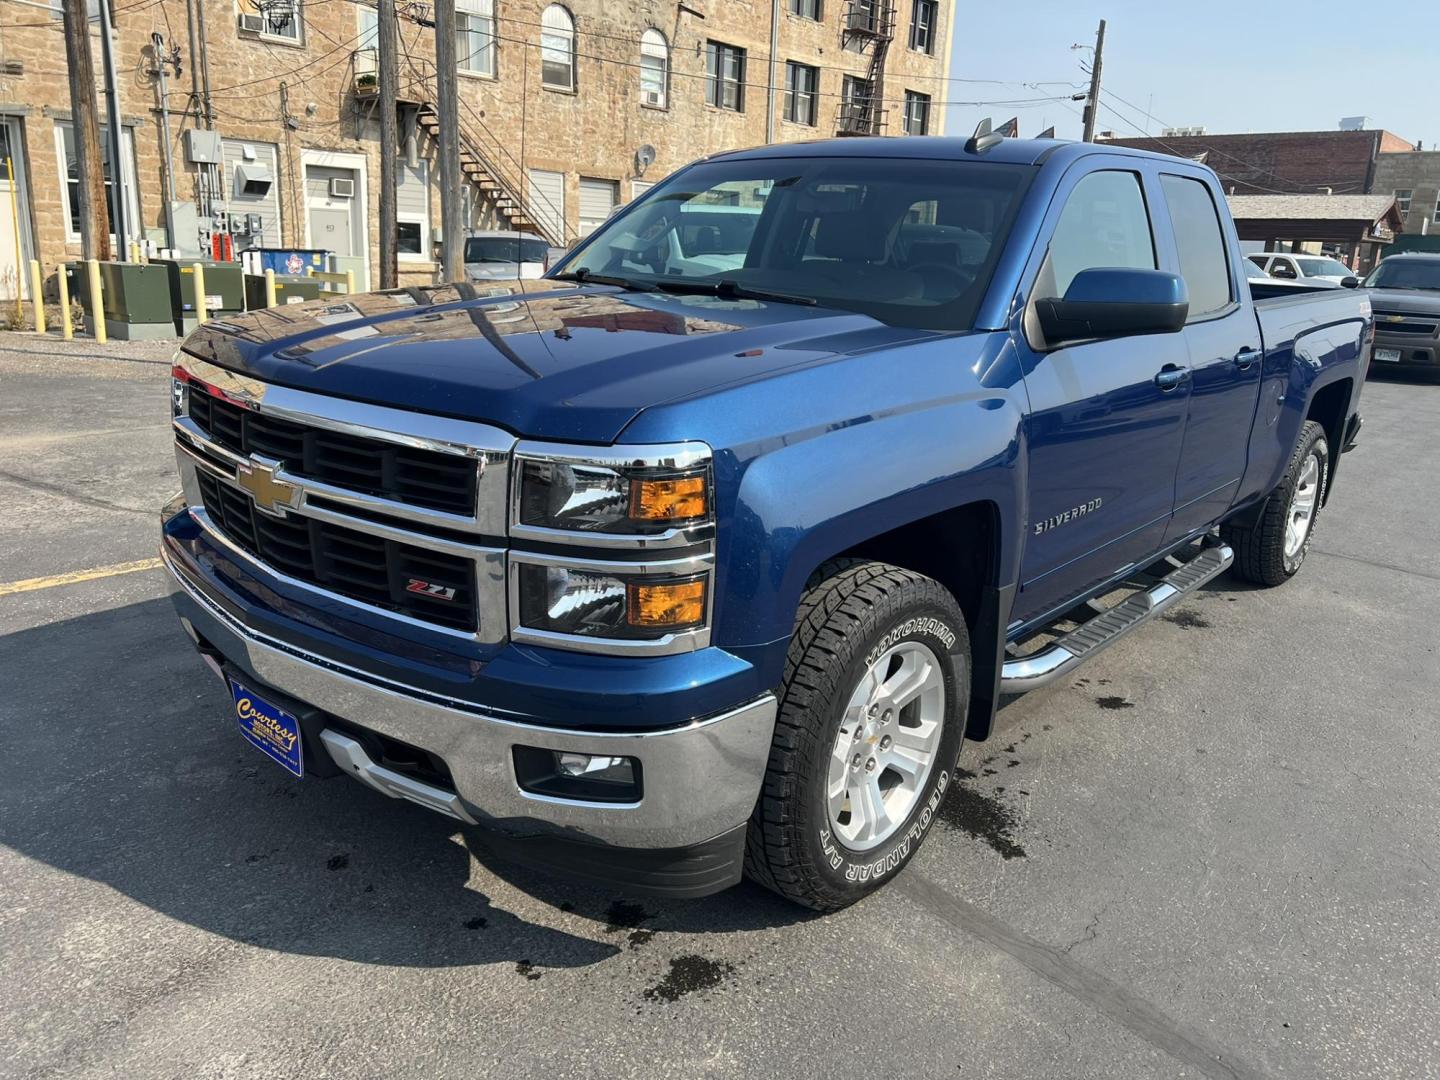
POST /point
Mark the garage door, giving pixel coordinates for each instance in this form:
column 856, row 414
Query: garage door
column 597, row 200
column 547, row 201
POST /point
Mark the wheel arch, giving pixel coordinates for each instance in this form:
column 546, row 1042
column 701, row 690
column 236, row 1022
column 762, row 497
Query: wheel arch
column 1329, row 407
column 961, row 548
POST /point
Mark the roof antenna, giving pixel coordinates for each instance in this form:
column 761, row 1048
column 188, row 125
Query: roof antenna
column 983, row 139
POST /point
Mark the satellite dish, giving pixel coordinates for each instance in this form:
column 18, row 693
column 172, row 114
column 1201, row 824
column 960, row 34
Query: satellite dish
column 644, row 158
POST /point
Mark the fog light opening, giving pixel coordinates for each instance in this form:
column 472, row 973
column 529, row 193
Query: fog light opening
column 565, row 774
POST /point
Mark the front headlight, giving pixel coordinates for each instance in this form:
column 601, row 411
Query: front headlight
column 614, row 501
column 556, row 599
column 644, row 492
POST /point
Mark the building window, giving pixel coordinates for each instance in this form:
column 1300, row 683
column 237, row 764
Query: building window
column 412, row 211
column 475, row 37
column 802, row 85
column 654, row 68
column 598, row 199
column 1437, row 210
column 70, row 174
column 1402, row 200
column 806, row 9
column 923, row 14
column 274, row 20
column 725, row 76
column 857, row 106
column 557, row 48
column 917, row 113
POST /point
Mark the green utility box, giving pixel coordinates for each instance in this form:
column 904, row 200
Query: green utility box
column 224, row 285
column 135, row 299
column 289, row 289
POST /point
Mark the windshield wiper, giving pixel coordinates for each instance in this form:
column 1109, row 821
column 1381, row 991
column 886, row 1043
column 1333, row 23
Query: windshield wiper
column 731, row 290
column 585, row 277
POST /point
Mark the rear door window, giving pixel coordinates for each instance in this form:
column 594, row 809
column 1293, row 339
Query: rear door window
column 1200, row 243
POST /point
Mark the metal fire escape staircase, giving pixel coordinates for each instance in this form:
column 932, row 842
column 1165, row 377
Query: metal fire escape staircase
column 498, row 178
column 869, row 25
column 485, row 163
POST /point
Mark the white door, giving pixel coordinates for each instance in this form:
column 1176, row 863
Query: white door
column 14, row 265
column 547, row 202
column 597, row 201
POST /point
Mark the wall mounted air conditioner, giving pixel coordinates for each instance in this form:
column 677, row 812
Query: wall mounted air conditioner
column 253, row 179
column 341, row 188
column 653, row 97
column 254, row 24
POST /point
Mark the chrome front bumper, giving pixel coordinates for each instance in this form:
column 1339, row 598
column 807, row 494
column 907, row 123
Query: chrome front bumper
column 700, row 780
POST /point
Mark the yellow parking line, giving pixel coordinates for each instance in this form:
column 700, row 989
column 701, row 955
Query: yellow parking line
column 31, row 584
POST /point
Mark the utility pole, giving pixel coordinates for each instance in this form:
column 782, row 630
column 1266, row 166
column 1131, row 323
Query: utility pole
column 85, row 127
column 389, row 148
column 157, row 42
column 1092, row 103
column 446, row 106
column 114, row 129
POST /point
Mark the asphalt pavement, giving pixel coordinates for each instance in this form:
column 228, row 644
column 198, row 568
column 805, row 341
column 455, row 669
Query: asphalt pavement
column 1214, row 853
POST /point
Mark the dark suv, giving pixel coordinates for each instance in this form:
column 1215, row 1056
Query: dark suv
column 1405, row 290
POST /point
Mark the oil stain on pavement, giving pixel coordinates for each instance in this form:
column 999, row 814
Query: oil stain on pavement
column 982, row 816
column 688, row 974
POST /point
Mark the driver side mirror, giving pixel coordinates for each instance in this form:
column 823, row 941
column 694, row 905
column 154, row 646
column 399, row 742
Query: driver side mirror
column 1351, row 282
column 1112, row 302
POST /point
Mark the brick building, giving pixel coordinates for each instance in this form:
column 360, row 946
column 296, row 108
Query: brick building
column 1413, row 178
column 1285, row 162
column 566, row 109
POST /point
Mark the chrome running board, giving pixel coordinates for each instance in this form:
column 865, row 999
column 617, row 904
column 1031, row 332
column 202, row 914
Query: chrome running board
column 1058, row 659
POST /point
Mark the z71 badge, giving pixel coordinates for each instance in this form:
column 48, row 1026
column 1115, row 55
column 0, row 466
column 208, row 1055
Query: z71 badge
column 1068, row 516
column 429, row 588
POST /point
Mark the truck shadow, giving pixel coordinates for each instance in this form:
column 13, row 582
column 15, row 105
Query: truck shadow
column 122, row 771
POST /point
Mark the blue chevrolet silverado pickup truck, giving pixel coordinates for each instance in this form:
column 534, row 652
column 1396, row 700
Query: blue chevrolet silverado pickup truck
column 700, row 556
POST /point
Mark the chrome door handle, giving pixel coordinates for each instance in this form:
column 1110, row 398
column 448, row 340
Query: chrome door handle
column 1171, row 376
column 1247, row 358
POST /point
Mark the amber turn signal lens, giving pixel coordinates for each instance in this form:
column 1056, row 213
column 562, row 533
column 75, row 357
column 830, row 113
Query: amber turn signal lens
column 668, row 500
column 670, row 605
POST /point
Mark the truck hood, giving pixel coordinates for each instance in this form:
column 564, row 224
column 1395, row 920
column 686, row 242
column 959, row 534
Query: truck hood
column 542, row 358
column 1404, row 301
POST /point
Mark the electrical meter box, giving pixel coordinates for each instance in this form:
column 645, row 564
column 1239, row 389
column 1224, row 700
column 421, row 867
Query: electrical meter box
column 202, row 147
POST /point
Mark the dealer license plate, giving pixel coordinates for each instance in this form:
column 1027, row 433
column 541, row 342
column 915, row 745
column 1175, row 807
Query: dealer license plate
column 272, row 731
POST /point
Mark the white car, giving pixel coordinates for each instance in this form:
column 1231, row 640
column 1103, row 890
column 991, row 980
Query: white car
column 505, row 255
column 1310, row 269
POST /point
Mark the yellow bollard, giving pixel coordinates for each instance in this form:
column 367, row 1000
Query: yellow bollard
column 269, row 288
column 67, row 326
column 349, row 282
column 37, row 295
column 201, row 305
column 97, row 302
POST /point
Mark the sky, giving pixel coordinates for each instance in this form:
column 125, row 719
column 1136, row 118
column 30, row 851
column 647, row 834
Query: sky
column 1225, row 65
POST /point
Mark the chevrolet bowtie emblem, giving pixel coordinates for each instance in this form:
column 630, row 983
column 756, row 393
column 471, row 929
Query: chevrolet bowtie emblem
column 1394, row 318
column 273, row 495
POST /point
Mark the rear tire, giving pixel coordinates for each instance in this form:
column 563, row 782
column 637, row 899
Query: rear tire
column 872, row 712
column 1271, row 551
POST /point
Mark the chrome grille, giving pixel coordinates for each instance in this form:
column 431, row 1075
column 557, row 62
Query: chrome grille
column 346, row 561
column 405, row 474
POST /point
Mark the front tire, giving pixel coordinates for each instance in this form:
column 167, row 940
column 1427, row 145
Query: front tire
column 872, row 712
column 1271, row 551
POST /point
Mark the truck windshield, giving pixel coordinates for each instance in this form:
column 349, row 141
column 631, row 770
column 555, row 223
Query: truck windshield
column 1405, row 274
column 504, row 249
column 908, row 242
